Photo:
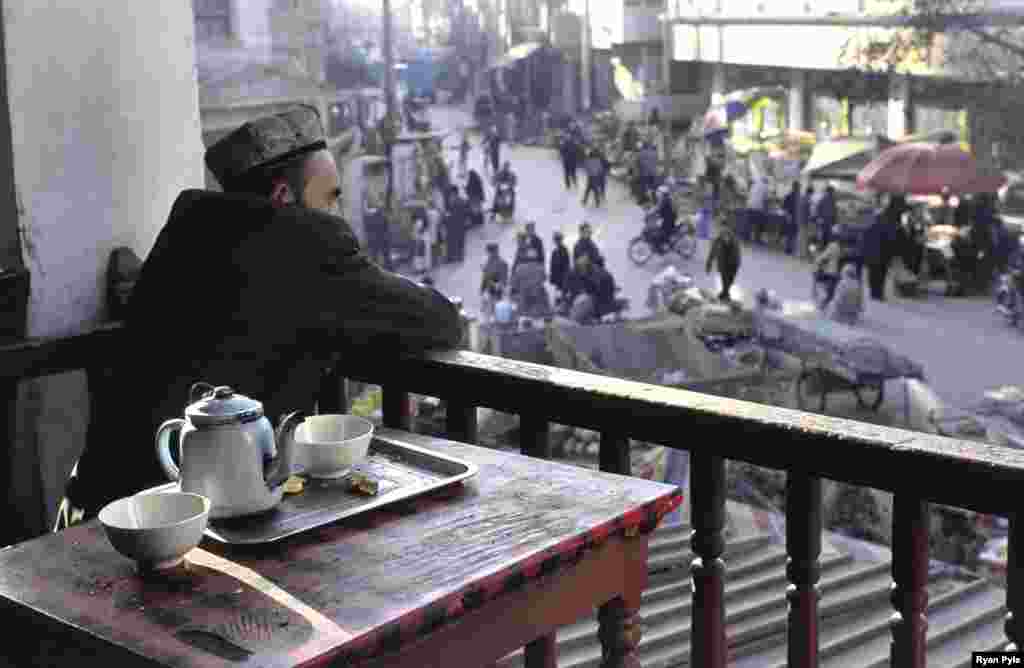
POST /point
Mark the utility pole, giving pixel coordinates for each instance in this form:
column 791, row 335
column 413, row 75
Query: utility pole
column 585, row 56
column 391, row 128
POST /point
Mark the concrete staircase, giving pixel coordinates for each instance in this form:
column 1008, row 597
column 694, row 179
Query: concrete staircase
column 854, row 610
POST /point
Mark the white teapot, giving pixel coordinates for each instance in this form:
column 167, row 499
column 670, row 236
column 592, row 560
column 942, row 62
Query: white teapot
column 227, row 451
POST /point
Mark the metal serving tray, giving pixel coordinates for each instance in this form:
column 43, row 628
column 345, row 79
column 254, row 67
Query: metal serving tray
column 403, row 471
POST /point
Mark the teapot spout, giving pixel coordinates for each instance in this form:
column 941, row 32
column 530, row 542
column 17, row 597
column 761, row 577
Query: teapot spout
column 279, row 468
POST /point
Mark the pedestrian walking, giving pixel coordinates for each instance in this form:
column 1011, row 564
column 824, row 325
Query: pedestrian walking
column 594, row 167
column 805, row 221
column 879, row 242
column 585, row 245
column 791, row 205
column 423, row 260
column 455, row 225
column 567, row 152
column 378, row 232
column 464, row 148
column 559, row 267
column 493, row 145
column 725, row 254
column 493, row 281
column 827, row 214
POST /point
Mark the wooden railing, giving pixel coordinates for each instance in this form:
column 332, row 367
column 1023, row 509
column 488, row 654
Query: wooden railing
column 918, row 468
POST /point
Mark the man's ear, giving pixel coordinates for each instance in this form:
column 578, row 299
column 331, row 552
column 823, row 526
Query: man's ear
column 282, row 194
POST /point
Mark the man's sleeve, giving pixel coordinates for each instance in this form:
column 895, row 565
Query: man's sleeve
column 307, row 274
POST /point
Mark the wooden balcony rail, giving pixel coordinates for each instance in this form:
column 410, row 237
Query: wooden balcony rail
column 918, row 468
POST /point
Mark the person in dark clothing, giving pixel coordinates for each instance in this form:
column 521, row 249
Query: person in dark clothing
column 594, row 167
column 455, row 225
column 655, row 118
column 492, row 142
column 531, row 249
column 475, row 196
column 879, row 245
column 603, row 289
column 378, row 232
column 648, row 166
column 713, row 175
column 630, row 137
column 286, row 292
column 568, row 152
column 828, row 216
column 559, row 268
column 791, row 206
column 666, row 211
column 585, row 245
column 726, row 250
column 962, row 213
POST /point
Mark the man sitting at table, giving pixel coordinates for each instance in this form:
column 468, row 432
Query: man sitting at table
column 262, row 288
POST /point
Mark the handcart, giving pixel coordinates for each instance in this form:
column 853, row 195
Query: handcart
column 833, row 357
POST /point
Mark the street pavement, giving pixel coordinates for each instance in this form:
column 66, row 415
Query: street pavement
column 964, row 348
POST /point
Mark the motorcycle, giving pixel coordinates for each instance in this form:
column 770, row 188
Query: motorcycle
column 504, row 202
column 649, row 243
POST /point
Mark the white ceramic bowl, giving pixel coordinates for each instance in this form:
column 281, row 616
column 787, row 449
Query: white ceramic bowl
column 327, row 446
column 156, row 530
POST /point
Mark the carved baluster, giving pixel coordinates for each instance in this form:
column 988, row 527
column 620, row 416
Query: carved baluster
column 620, row 633
column 397, row 413
column 910, row 581
column 707, row 510
column 803, row 545
column 614, row 453
column 541, row 653
column 334, row 393
column 1015, row 585
column 460, row 422
column 533, row 436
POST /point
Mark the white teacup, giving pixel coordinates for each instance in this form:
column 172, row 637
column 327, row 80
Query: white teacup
column 328, row 446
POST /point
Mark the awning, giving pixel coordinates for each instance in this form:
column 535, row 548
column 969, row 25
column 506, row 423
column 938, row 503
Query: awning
column 516, row 53
column 842, row 159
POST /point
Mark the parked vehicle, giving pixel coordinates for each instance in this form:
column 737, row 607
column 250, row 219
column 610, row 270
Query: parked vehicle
column 648, row 244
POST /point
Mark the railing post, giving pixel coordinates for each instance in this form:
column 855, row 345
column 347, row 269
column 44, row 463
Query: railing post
column 334, row 393
column 910, row 581
column 533, row 436
column 803, row 545
column 707, row 511
column 397, row 413
column 1014, row 625
column 614, row 453
column 460, row 422
column 534, row 442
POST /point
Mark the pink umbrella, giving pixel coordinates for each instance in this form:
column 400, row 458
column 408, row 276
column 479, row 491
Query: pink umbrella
column 926, row 169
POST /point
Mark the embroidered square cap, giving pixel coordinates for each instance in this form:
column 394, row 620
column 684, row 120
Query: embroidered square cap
column 265, row 143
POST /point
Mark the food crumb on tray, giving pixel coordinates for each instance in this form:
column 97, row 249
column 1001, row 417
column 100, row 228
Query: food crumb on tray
column 294, row 485
column 363, row 484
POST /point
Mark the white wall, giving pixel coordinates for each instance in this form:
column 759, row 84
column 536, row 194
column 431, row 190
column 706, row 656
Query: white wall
column 105, row 128
column 105, row 123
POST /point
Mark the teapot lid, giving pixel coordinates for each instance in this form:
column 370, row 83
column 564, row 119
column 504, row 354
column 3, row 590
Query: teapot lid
column 222, row 406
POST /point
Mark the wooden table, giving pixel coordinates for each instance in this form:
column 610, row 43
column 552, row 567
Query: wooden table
column 458, row 579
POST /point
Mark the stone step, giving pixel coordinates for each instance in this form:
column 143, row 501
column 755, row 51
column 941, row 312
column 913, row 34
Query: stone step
column 670, row 579
column 975, row 625
column 848, row 639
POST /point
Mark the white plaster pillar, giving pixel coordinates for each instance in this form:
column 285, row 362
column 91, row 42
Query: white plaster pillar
column 717, row 81
column 668, row 54
column 900, row 117
column 799, row 112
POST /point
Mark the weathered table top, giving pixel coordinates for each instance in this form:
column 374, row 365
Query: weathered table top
column 348, row 590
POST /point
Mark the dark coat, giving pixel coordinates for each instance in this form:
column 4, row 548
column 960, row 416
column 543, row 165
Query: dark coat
column 236, row 292
column 585, row 247
column 475, row 186
column 879, row 243
column 559, row 266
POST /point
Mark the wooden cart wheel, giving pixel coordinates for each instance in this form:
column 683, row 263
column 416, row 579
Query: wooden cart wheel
column 810, row 382
column 863, row 393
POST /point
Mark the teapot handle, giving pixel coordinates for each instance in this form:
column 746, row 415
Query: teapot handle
column 163, row 447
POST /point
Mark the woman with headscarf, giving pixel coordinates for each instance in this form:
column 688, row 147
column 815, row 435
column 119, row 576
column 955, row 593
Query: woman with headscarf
column 475, row 196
